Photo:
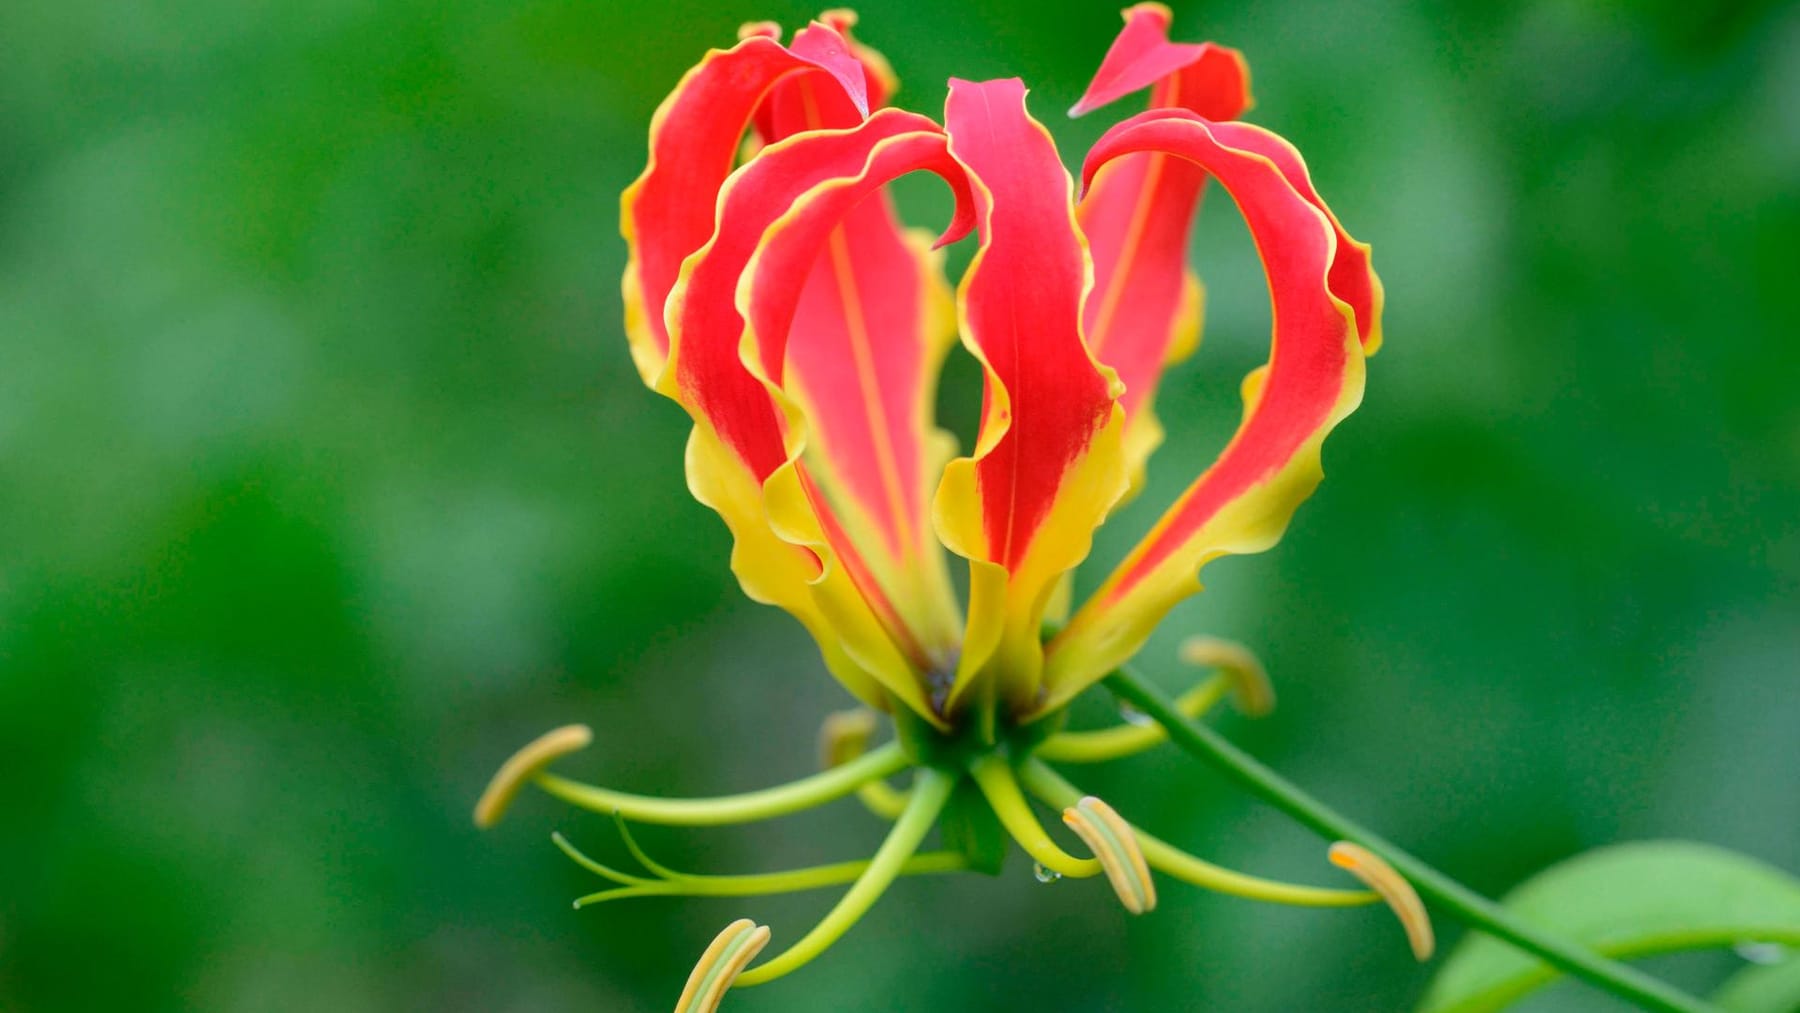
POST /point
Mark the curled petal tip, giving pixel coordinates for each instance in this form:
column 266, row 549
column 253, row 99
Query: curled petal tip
column 1251, row 689
column 1400, row 896
column 522, row 765
column 1112, row 840
column 954, row 233
column 827, row 47
column 719, row 967
column 759, row 30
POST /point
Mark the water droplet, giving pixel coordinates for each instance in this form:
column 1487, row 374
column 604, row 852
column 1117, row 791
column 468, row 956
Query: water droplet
column 1132, row 716
column 1761, row 953
column 1045, row 875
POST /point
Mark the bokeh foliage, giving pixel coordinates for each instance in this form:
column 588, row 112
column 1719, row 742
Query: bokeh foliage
column 325, row 481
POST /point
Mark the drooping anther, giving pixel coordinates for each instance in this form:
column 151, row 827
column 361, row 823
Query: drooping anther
column 720, row 965
column 845, row 736
column 1113, row 841
column 1382, row 878
column 841, row 19
column 523, row 765
column 1250, row 686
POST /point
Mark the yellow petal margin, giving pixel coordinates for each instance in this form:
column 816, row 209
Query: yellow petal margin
column 1048, row 461
column 1313, row 380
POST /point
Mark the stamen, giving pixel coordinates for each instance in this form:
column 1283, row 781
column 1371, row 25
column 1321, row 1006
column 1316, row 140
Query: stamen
column 581, row 858
column 1251, row 690
column 1239, row 673
column 1115, row 844
column 929, row 794
column 768, row 884
column 643, row 858
column 1393, row 888
column 845, row 736
column 1165, row 858
column 1124, row 740
column 524, row 764
column 842, row 738
column 719, row 966
column 994, row 776
column 669, row 882
column 725, row 810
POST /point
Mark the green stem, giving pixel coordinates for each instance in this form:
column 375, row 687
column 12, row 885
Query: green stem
column 929, row 793
column 1621, row 980
column 732, row 809
column 1127, row 740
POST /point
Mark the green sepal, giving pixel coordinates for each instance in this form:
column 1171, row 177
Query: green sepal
column 1024, row 739
column 971, row 829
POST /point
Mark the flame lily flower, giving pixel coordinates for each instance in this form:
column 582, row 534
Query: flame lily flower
column 773, row 293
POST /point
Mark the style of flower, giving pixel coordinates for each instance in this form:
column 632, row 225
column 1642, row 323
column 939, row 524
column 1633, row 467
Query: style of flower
column 773, row 293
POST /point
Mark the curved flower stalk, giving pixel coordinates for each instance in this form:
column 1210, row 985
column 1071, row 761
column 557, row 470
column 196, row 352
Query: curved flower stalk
column 773, row 293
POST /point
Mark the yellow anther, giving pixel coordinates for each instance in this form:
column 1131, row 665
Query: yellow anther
column 1250, row 686
column 845, row 736
column 720, row 965
column 523, row 765
column 1112, row 840
column 759, row 30
column 1381, row 877
column 1162, row 11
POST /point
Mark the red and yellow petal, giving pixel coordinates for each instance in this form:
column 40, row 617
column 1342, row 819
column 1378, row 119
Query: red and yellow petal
column 1048, row 463
column 866, row 344
column 1314, row 379
column 730, row 317
column 811, row 102
column 868, row 336
column 1352, row 277
column 1144, row 312
column 829, row 383
column 1208, row 79
column 667, row 213
column 771, row 570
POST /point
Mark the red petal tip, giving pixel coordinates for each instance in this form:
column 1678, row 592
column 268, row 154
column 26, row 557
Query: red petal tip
column 825, row 46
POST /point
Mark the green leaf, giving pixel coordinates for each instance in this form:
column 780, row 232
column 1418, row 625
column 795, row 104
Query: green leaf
column 1773, row 988
column 1629, row 900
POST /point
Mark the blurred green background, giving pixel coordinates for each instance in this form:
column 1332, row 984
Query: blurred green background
column 325, row 482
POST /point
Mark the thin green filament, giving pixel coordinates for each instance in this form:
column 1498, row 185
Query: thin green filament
column 765, row 884
column 1129, row 740
column 1165, row 858
column 929, row 793
column 726, row 810
column 994, row 775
